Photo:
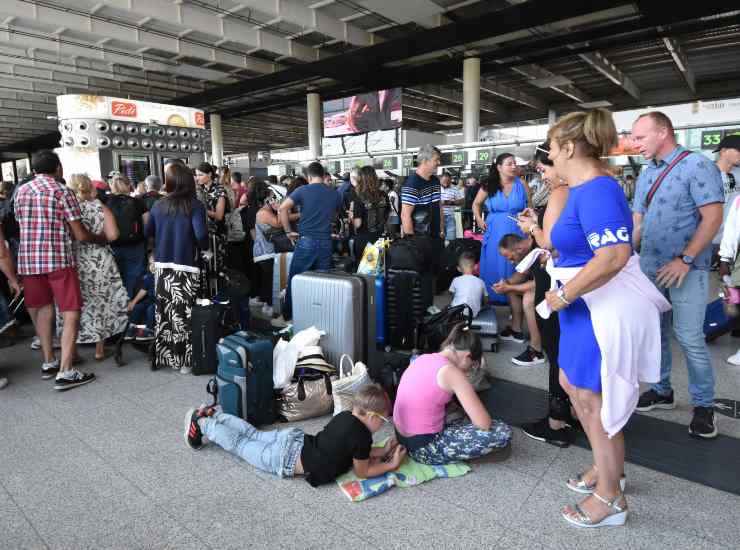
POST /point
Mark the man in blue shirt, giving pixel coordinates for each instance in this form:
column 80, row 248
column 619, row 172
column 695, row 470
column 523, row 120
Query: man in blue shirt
column 674, row 232
column 318, row 204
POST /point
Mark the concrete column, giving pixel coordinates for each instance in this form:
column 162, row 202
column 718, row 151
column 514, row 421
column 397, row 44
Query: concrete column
column 217, row 140
column 552, row 117
column 471, row 99
column 313, row 106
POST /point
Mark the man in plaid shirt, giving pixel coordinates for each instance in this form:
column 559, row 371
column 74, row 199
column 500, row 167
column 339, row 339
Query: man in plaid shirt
column 48, row 215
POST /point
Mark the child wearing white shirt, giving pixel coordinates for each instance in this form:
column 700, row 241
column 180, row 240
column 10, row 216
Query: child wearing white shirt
column 467, row 288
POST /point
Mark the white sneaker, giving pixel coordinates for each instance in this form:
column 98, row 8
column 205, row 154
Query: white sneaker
column 3, row 382
column 734, row 359
column 267, row 310
column 186, row 370
column 36, row 343
column 256, row 302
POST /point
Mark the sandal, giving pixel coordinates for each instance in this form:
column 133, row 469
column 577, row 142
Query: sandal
column 579, row 484
column 580, row 518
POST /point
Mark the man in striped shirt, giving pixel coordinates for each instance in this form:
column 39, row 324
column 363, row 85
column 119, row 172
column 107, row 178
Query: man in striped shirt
column 421, row 206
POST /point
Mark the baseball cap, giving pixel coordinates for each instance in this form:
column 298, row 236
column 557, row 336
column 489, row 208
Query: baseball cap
column 729, row 142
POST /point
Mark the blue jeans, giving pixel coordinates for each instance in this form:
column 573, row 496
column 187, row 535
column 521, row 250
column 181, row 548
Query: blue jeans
column 689, row 307
column 310, row 253
column 276, row 451
column 450, row 227
column 5, row 316
column 131, row 261
column 459, row 442
column 143, row 313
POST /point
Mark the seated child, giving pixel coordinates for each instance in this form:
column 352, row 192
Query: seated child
column 427, row 385
column 467, row 288
column 141, row 310
column 345, row 442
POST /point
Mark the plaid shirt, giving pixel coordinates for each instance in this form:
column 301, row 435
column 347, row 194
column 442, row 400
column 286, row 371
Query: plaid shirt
column 42, row 208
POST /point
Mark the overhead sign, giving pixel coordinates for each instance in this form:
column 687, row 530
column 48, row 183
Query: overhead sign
column 710, row 138
column 131, row 110
column 484, row 156
column 386, row 163
column 454, row 158
column 409, row 161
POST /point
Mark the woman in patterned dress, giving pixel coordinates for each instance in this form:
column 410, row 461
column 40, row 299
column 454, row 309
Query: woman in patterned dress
column 104, row 299
column 214, row 198
column 178, row 225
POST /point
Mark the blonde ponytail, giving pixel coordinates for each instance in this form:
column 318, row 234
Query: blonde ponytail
column 592, row 131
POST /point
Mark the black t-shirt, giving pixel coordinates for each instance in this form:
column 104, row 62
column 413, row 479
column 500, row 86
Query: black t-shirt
column 329, row 453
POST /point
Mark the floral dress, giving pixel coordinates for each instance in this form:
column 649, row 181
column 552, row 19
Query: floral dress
column 104, row 299
column 216, row 229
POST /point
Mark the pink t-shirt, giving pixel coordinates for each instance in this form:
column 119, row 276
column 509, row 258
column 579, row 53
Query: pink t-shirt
column 420, row 402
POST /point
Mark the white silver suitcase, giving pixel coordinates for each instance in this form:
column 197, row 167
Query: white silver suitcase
column 486, row 325
column 343, row 306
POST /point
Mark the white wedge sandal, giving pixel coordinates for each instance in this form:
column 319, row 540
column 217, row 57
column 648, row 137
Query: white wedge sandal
column 580, row 518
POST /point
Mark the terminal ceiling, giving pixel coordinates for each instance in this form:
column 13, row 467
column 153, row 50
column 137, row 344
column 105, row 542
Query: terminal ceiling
column 253, row 60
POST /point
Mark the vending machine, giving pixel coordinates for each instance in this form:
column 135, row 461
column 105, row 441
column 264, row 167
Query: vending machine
column 136, row 138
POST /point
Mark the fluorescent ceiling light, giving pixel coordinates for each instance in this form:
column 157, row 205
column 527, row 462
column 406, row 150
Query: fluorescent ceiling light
column 550, row 81
column 595, row 104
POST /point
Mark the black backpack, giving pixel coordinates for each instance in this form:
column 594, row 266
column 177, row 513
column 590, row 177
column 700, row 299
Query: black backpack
column 405, row 254
column 127, row 211
column 377, row 214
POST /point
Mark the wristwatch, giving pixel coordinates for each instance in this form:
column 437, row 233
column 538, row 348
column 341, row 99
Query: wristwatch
column 688, row 260
column 561, row 294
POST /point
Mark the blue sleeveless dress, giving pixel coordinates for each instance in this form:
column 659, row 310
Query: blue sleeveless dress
column 493, row 266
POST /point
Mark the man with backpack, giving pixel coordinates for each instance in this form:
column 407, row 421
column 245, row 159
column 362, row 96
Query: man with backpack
column 131, row 216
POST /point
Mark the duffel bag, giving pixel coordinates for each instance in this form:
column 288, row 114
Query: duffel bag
column 305, row 398
column 435, row 329
column 405, row 254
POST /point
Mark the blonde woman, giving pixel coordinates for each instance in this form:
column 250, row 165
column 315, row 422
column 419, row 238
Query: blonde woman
column 104, row 299
column 609, row 312
column 129, row 249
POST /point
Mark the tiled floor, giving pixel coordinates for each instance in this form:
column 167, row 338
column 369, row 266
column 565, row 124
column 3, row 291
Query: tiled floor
column 104, row 466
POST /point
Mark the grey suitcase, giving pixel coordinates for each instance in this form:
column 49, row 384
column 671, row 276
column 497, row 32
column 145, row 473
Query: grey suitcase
column 343, row 306
column 486, row 325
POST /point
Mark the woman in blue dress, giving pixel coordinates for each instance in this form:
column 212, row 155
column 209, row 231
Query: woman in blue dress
column 609, row 312
column 504, row 197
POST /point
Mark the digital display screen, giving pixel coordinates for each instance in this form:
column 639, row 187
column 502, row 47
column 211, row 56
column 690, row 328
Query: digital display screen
column 362, row 113
column 454, row 158
column 386, row 163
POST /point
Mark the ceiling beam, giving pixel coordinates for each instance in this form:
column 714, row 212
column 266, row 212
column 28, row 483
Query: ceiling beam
column 601, row 64
column 542, row 78
column 681, row 62
column 431, row 106
column 50, row 16
column 310, row 18
column 507, row 92
column 453, row 96
column 365, row 61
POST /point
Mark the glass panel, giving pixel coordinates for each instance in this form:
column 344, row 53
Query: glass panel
column 135, row 167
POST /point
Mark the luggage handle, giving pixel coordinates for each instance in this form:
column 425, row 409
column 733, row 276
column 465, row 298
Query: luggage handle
column 302, row 389
column 341, row 366
column 212, row 389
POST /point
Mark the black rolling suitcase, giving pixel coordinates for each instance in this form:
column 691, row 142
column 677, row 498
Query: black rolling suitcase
column 408, row 295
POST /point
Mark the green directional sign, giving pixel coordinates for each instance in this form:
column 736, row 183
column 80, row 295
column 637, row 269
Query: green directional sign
column 484, row 156
column 710, row 138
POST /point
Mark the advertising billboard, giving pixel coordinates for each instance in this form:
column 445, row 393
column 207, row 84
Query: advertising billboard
column 362, row 113
column 132, row 110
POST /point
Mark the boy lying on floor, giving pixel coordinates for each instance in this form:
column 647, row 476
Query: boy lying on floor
column 345, row 442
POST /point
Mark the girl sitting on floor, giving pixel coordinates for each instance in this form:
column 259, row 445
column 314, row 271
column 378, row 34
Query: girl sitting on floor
column 430, row 382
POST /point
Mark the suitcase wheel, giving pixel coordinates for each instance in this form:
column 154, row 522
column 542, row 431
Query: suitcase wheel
column 118, row 357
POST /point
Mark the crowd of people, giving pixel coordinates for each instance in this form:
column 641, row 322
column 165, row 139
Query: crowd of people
column 563, row 259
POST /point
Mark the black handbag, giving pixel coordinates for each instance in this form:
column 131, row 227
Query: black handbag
column 435, row 329
column 281, row 242
column 405, row 254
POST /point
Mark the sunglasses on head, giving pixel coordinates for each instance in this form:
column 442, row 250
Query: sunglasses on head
column 541, row 149
column 378, row 415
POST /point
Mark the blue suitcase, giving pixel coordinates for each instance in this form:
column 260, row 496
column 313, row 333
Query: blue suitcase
column 380, row 316
column 244, row 382
column 716, row 321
